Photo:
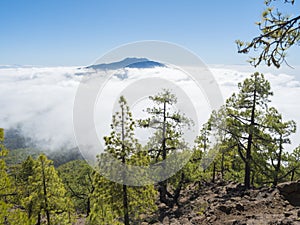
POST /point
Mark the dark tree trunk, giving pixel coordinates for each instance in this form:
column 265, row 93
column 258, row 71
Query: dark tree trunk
column 214, row 172
column 247, row 166
column 45, row 194
column 277, row 168
column 30, row 210
column 222, row 165
column 88, row 207
column 163, row 191
column 125, row 203
column 164, row 197
column 178, row 189
column 125, row 197
column 250, row 140
column 39, row 219
column 293, row 174
column 252, row 179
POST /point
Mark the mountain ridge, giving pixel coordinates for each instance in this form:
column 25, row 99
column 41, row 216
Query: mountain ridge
column 129, row 62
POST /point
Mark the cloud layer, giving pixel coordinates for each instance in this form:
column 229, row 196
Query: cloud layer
column 40, row 100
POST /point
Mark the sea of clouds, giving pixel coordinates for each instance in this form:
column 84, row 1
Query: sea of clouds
column 39, row 100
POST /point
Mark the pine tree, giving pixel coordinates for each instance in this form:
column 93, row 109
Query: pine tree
column 196, row 168
column 278, row 32
column 168, row 138
column 220, row 149
column 10, row 213
column 26, row 171
column 47, row 196
column 279, row 132
column 245, row 112
column 113, row 201
column 5, row 182
column 294, row 164
column 77, row 177
column 106, row 205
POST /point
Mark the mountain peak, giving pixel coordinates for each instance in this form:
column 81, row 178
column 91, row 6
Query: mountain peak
column 129, row 62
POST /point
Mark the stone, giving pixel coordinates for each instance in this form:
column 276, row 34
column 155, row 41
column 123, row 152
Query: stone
column 185, row 221
column 225, row 208
column 289, row 187
column 197, row 220
column 288, row 214
column 291, row 191
column 298, row 213
column 212, row 218
column 166, row 220
column 174, row 221
column 239, row 207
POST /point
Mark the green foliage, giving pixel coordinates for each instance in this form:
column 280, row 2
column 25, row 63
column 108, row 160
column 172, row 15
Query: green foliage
column 275, row 156
column 77, row 177
column 114, row 203
column 278, row 32
column 3, row 150
column 294, row 164
column 107, row 202
column 9, row 212
column 64, row 155
column 250, row 137
column 46, row 195
column 17, row 156
column 104, row 198
column 167, row 139
column 245, row 112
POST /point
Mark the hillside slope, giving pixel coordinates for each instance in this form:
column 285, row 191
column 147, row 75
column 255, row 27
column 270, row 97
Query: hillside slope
column 230, row 204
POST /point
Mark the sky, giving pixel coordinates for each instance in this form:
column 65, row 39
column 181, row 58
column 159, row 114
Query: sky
column 77, row 32
column 58, row 36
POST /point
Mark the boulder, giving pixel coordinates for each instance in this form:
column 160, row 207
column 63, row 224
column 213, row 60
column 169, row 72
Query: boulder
column 291, row 192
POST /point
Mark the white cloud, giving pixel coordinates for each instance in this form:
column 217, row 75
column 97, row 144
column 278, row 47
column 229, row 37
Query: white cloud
column 41, row 99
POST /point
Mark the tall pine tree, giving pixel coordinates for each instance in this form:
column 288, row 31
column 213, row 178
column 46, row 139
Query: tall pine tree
column 167, row 138
column 113, row 201
column 245, row 112
column 10, row 213
column 47, row 194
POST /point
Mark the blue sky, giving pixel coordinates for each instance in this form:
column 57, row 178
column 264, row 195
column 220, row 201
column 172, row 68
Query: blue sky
column 74, row 32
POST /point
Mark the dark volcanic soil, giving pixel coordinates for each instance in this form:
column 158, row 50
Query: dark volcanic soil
column 230, row 204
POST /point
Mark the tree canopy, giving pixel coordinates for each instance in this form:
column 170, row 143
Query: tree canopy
column 278, row 32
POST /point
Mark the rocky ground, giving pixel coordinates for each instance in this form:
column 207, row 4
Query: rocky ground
column 230, row 204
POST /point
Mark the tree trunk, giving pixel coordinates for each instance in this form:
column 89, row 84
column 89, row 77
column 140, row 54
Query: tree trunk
column 252, row 179
column 88, row 207
column 222, row 165
column 45, row 194
column 179, row 187
column 163, row 192
column 293, row 174
column 214, row 172
column 39, row 219
column 277, row 169
column 125, row 204
column 249, row 144
column 247, row 167
column 125, row 197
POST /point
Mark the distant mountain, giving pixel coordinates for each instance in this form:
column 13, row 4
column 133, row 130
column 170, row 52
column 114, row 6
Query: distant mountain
column 127, row 62
column 146, row 64
column 14, row 139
